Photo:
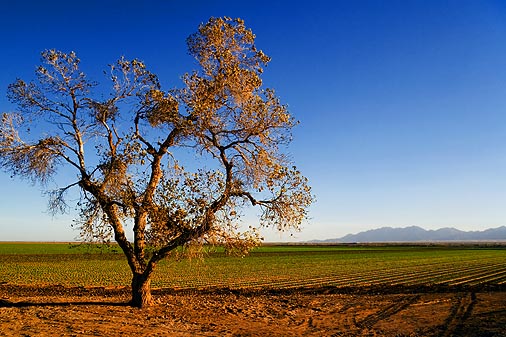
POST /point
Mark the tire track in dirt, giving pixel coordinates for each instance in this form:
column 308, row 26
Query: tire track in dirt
column 459, row 313
column 386, row 312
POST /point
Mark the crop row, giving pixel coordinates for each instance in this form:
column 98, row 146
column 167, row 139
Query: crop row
column 282, row 268
column 449, row 274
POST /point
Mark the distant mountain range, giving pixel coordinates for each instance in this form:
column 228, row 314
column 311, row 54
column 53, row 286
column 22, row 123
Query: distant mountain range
column 418, row 234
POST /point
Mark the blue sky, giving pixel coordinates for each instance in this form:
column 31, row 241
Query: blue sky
column 402, row 103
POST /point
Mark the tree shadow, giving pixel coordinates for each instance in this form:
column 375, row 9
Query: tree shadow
column 24, row 304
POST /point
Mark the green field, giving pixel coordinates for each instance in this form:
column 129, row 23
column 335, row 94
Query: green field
column 275, row 267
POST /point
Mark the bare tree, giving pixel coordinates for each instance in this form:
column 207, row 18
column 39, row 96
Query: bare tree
column 126, row 149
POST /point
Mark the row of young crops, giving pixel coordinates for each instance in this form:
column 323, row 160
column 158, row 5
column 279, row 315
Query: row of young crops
column 269, row 267
column 360, row 268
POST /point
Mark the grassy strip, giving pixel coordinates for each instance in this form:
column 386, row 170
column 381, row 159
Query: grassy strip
column 59, row 248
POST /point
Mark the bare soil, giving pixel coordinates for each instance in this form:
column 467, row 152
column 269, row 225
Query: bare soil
column 58, row 311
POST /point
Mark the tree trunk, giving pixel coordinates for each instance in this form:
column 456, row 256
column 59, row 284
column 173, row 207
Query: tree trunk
column 141, row 291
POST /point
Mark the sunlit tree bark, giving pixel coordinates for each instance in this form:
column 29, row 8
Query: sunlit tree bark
column 124, row 149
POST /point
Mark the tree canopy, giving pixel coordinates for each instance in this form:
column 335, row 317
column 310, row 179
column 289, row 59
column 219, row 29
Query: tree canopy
column 125, row 148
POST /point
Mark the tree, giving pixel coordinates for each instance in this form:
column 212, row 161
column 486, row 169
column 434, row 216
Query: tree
column 125, row 149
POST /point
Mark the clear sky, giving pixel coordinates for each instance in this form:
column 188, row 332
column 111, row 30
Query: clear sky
column 402, row 103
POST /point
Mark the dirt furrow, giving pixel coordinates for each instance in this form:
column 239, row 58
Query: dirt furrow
column 460, row 311
column 386, row 312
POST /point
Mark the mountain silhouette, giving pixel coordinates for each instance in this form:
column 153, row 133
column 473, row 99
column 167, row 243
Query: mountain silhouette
column 417, row 234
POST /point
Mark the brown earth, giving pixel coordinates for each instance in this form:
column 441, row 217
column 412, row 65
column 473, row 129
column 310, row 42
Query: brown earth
column 58, row 311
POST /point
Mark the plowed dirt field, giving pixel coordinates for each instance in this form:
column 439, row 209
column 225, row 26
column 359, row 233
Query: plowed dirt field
column 58, row 311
